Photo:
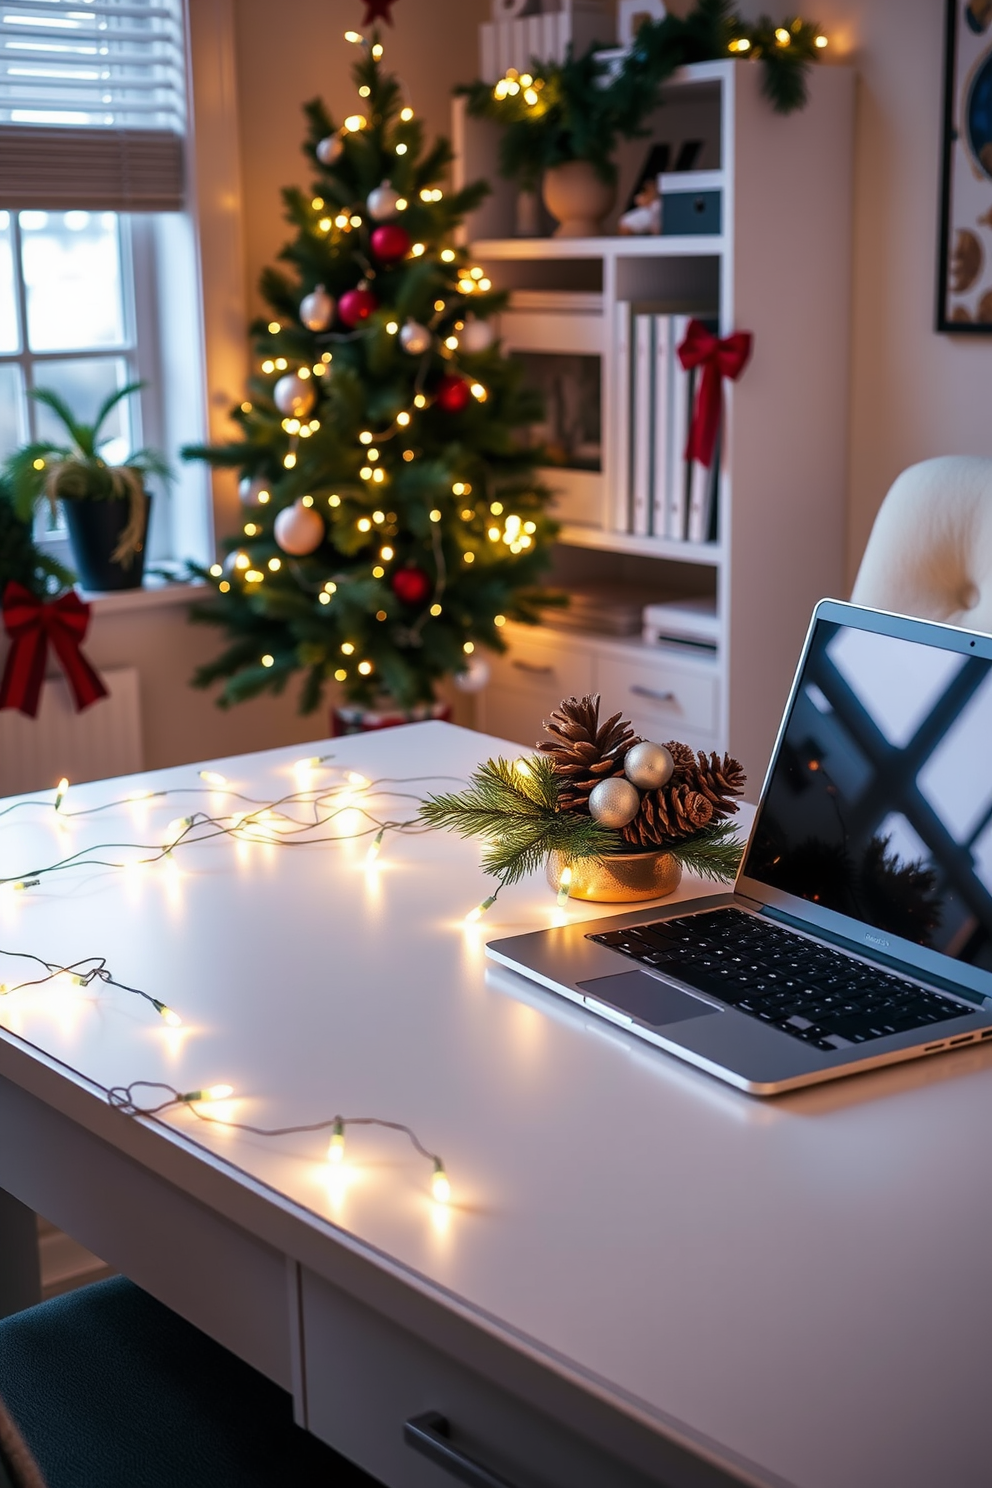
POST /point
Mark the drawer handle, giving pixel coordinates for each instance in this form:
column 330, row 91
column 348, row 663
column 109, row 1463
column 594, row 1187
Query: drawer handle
column 429, row 1435
column 530, row 666
column 656, row 697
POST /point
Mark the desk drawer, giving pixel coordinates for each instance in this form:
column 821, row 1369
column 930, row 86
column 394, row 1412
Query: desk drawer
column 366, row 1377
column 530, row 681
column 662, row 699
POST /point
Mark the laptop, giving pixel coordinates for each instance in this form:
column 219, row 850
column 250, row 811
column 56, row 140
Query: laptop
column 859, row 929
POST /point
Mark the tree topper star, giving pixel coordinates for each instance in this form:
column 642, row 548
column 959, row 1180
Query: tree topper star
column 376, row 10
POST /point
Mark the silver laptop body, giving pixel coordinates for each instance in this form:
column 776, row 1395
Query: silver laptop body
column 859, row 930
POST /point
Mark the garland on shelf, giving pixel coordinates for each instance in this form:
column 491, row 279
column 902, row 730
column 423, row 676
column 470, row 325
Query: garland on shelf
column 576, row 109
column 595, row 791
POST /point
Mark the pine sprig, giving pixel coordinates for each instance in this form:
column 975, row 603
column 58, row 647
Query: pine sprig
column 713, row 853
column 516, row 809
column 581, row 112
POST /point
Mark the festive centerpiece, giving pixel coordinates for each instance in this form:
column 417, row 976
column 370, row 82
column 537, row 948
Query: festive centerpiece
column 392, row 516
column 611, row 816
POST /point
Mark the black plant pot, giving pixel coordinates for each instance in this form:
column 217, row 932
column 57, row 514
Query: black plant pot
column 95, row 529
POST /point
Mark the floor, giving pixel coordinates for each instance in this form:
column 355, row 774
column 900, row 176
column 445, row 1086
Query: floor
column 65, row 1264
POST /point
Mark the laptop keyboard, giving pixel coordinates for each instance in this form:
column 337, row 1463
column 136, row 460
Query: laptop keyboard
column 810, row 991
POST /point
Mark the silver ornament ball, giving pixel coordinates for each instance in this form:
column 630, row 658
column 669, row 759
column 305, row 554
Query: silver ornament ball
column 614, row 802
column 250, row 489
column 317, row 309
column 475, row 676
column 298, row 530
column 381, row 202
column 415, row 338
column 476, row 335
column 294, row 395
column 648, row 765
column 329, row 149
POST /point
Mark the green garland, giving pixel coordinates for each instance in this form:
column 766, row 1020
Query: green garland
column 516, row 807
column 568, row 111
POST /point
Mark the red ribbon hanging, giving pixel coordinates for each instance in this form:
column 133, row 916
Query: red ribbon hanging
column 31, row 623
column 719, row 359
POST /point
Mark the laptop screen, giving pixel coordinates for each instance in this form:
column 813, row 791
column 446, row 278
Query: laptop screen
column 879, row 806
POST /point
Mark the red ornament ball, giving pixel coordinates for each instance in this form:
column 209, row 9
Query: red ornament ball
column 411, row 585
column 390, row 242
column 453, row 393
column 357, row 305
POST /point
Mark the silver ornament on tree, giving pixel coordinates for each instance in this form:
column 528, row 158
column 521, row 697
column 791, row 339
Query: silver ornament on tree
column 328, row 151
column 251, row 489
column 294, row 395
column 381, row 202
column 317, row 309
column 415, row 338
column 614, row 802
column 649, row 766
column 298, row 530
column 475, row 676
column 476, row 335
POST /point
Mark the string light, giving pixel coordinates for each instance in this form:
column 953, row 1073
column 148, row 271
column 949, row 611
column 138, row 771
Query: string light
column 375, row 848
column 81, row 974
column 440, row 1184
column 355, row 37
column 354, row 123
column 564, row 885
column 782, row 36
column 274, row 327
column 213, row 777
column 215, row 570
column 418, row 250
column 480, row 909
column 335, row 1147
column 211, row 1093
column 61, row 791
column 406, row 115
column 820, row 41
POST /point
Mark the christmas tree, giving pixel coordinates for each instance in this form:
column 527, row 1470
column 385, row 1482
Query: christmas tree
column 393, row 519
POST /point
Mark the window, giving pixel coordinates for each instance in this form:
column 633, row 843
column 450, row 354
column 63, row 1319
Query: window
column 98, row 264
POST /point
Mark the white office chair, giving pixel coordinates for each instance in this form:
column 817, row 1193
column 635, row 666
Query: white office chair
column 930, row 550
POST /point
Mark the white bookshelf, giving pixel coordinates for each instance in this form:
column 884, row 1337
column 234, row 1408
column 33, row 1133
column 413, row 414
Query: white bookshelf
column 780, row 268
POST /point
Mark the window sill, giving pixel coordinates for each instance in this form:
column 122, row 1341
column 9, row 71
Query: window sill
column 152, row 596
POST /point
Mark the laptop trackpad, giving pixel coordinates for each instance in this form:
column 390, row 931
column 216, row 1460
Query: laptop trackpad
column 644, row 997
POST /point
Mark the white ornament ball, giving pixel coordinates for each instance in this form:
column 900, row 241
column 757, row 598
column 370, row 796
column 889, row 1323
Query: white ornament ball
column 329, row 149
column 476, row 335
column 317, row 309
column 614, row 802
column 294, row 395
column 415, row 338
column 475, row 677
column 249, row 489
column 648, row 765
column 382, row 202
column 298, row 530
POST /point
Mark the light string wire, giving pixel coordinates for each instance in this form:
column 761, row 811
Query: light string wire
column 91, row 969
column 233, row 824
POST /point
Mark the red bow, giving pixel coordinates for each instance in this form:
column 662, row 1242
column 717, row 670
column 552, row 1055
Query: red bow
column 378, row 10
column 31, row 624
column 718, row 359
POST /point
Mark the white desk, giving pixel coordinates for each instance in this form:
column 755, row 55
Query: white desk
column 645, row 1276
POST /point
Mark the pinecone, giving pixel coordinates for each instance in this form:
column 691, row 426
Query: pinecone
column 719, row 781
column 667, row 815
column 583, row 751
column 700, row 792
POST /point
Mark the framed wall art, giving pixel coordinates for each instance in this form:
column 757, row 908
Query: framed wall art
column 964, row 290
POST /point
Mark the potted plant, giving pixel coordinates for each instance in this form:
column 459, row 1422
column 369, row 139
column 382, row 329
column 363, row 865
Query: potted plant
column 106, row 507
column 562, row 120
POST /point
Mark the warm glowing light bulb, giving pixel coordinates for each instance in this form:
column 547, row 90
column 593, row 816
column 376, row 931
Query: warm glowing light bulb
column 375, row 848
column 440, row 1183
column 820, row 41
column 354, row 122
column 213, row 777
column 175, row 830
column 448, row 255
column 782, row 36
column 60, row 792
column 406, row 115
column 335, row 1147
column 168, row 1016
column 564, row 885
column 355, row 37
column 310, row 763
column 479, row 910
column 218, row 1092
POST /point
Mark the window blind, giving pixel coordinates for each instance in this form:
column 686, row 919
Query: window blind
column 92, row 104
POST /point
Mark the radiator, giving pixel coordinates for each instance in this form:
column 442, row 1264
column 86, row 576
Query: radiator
column 105, row 739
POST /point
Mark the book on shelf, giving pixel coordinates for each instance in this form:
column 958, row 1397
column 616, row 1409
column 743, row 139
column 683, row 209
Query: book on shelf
column 663, row 495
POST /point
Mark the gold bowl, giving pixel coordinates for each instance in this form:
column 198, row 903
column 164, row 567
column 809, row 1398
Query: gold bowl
column 618, row 879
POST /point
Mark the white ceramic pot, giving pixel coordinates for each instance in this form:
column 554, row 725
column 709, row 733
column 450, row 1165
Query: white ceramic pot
column 576, row 194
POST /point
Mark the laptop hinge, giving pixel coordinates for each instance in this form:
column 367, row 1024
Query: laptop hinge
column 892, row 962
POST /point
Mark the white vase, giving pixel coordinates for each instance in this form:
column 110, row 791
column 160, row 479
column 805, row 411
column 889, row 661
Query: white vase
column 576, row 194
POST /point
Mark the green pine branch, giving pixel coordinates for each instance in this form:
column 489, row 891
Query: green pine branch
column 714, row 853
